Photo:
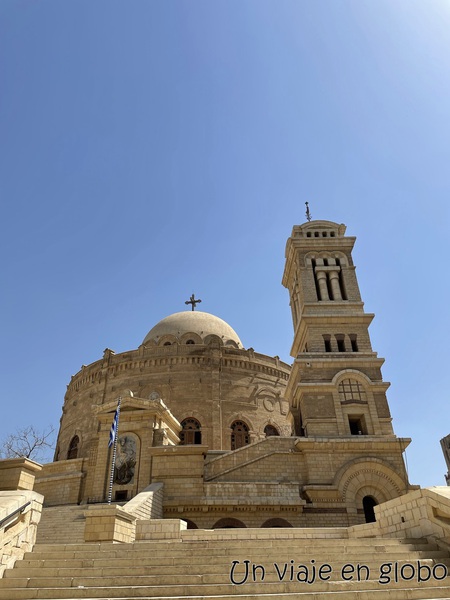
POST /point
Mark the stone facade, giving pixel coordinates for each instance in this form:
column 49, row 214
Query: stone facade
column 238, row 438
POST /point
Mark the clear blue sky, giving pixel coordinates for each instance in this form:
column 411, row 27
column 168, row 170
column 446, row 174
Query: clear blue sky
column 151, row 149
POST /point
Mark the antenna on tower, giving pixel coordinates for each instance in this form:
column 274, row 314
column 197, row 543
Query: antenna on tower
column 308, row 214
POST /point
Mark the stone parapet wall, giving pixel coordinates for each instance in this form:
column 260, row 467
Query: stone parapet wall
column 18, row 527
column 160, row 529
column 109, row 523
column 420, row 513
column 61, row 482
column 18, row 473
column 228, row 463
column 148, row 504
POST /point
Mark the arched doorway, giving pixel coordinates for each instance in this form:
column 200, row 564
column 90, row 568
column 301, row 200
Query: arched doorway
column 240, row 435
column 368, row 506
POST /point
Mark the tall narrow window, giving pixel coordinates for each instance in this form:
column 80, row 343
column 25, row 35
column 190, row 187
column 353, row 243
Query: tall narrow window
column 240, row 435
column 340, row 340
column 313, row 263
column 353, row 342
column 191, row 432
column 341, row 281
column 73, row 448
column 327, row 342
column 329, row 286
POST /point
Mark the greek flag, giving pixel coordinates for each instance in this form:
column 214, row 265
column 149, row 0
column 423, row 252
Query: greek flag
column 113, row 430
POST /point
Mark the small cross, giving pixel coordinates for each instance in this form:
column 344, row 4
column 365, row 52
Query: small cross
column 192, row 301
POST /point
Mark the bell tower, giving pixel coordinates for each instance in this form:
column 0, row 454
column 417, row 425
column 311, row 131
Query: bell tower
column 336, row 387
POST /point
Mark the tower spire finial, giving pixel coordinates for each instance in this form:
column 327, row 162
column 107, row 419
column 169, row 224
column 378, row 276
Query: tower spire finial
column 308, row 214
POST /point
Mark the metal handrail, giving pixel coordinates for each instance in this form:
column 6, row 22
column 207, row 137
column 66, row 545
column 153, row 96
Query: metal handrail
column 13, row 514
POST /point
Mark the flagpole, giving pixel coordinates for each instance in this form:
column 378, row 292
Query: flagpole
column 113, row 462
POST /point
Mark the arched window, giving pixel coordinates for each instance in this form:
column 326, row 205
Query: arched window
column 350, row 390
column 270, row 430
column 191, row 432
column 240, row 435
column 73, row 448
column 190, row 342
column 368, row 505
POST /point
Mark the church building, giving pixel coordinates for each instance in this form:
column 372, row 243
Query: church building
column 238, row 438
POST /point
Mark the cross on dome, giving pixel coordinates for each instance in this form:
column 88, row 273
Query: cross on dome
column 192, row 301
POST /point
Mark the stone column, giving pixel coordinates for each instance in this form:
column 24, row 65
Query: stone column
column 335, row 287
column 323, row 288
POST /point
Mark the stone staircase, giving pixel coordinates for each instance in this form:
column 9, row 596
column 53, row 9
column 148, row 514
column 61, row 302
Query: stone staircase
column 227, row 463
column 61, row 525
column 200, row 565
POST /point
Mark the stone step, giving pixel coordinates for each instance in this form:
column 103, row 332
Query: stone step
column 180, row 549
column 130, row 559
column 199, row 566
column 393, row 594
column 366, row 575
column 201, row 541
column 25, row 571
column 154, row 559
column 367, row 590
column 61, row 524
column 238, row 553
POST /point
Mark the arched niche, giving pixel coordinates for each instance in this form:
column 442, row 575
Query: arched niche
column 276, row 522
column 228, row 523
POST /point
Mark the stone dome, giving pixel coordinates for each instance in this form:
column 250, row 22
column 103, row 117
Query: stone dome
column 196, row 322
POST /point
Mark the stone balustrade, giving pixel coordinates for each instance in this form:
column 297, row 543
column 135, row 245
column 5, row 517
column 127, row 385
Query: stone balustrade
column 20, row 513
